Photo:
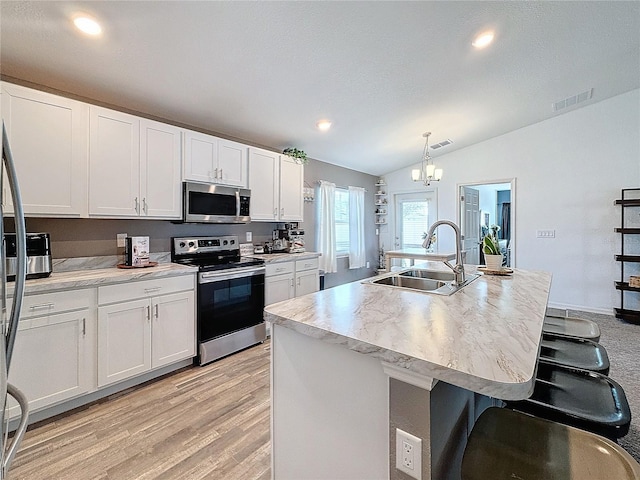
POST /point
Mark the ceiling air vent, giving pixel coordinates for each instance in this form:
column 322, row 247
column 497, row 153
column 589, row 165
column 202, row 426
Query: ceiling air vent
column 444, row 143
column 571, row 101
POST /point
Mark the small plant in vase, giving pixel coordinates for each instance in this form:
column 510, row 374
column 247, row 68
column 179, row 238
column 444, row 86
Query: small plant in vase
column 492, row 255
column 298, row 156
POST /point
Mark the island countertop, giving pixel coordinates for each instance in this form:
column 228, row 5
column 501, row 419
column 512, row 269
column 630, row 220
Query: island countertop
column 484, row 338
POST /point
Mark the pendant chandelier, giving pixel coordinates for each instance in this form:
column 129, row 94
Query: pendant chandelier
column 427, row 172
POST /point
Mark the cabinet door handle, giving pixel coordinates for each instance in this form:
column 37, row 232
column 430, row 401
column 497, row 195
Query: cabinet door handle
column 148, row 312
column 275, row 212
column 298, row 281
column 282, row 212
column 156, row 311
column 42, row 306
column 152, row 289
column 144, row 204
column 137, row 205
column 292, row 283
column 215, row 175
column 220, row 174
column 84, row 327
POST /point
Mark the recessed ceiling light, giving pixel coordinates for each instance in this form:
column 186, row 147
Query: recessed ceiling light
column 87, row 25
column 482, row 40
column 324, row 125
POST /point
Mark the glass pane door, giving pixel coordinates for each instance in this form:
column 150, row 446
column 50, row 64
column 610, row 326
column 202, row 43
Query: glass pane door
column 415, row 212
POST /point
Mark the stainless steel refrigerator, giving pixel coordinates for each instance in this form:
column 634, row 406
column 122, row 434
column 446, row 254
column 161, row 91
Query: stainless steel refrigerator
column 9, row 317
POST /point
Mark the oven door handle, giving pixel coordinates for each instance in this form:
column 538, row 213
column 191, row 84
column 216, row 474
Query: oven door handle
column 208, row 277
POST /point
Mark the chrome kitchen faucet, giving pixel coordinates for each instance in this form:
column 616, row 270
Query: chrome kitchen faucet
column 458, row 269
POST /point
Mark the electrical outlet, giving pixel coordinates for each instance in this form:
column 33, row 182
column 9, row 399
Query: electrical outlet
column 409, row 454
column 121, row 239
column 249, row 236
column 368, row 264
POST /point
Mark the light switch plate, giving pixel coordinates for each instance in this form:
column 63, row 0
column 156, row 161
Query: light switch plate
column 121, row 239
column 545, row 233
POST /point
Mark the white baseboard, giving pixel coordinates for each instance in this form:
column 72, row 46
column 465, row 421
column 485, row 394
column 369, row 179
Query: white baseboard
column 581, row 308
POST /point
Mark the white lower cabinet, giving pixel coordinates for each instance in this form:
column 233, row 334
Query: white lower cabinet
column 124, row 341
column 285, row 280
column 172, row 329
column 136, row 335
column 307, row 276
column 279, row 282
column 53, row 354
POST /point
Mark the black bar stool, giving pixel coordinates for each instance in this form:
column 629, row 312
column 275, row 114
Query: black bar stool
column 505, row 445
column 574, row 352
column 579, row 398
column 571, row 327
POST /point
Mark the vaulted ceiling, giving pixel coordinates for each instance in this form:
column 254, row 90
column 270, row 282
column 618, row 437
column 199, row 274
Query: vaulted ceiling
column 382, row 72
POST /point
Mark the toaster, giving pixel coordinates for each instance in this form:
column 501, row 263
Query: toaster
column 38, row 255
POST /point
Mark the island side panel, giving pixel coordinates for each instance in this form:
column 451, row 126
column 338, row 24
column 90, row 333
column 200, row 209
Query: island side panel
column 330, row 411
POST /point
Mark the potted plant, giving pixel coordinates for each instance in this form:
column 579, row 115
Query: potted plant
column 298, row 156
column 492, row 255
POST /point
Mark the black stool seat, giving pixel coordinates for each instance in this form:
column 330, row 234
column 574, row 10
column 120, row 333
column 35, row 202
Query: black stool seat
column 580, row 398
column 507, row 445
column 572, row 327
column 574, row 352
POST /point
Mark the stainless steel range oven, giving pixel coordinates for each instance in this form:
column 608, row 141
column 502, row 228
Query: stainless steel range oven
column 230, row 294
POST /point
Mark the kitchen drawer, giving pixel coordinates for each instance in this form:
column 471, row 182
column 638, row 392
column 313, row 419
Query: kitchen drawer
column 144, row 289
column 51, row 303
column 280, row 268
column 308, row 264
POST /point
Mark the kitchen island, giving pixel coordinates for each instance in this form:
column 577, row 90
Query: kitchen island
column 353, row 363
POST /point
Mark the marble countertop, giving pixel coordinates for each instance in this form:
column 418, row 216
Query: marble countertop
column 284, row 257
column 484, row 338
column 100, row 276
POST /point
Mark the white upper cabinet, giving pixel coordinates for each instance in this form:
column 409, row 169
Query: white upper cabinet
column 134, row 166
column 232, row 163
column 114, row 159
column 48, row 138
column 210, row 159
column 264, row 178
column 160, row 172
column 276, row 184
column 291, row 186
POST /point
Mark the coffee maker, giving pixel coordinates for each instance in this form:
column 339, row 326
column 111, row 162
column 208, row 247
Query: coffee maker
column 292, row 237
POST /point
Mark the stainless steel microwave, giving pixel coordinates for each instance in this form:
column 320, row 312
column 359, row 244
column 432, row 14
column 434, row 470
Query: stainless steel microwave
column 205, row 203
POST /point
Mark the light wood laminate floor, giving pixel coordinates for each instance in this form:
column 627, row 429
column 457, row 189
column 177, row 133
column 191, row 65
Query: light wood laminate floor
column 208, row 422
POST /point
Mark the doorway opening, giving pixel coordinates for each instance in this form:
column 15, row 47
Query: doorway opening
column 488, row 208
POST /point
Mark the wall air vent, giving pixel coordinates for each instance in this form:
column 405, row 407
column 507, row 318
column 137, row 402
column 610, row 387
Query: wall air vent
column 444, row 143
column 571, row 101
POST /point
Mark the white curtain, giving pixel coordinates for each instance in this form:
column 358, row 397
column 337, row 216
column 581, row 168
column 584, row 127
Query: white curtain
column 357, row 257
column 327, row 226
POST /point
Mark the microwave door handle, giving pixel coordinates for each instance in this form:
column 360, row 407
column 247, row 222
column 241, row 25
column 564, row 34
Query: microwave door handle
column 237, row 203
column 21, row 246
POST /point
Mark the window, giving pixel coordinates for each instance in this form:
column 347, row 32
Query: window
column 342, row 221
column 415, row 213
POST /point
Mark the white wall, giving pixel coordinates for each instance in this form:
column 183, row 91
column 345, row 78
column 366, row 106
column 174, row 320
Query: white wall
column 568, row 170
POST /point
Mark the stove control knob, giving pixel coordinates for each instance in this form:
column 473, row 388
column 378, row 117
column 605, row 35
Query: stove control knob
column 224, row 242
column 182, row 244
column 191, row 244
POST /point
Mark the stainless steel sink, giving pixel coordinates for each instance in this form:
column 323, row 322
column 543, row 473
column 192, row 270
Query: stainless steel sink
column 427, row 281
column 430, row 274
